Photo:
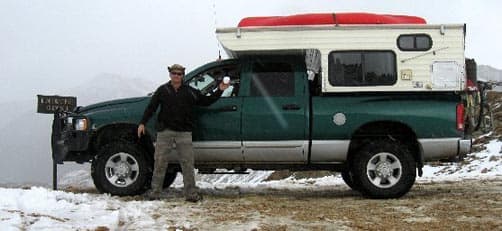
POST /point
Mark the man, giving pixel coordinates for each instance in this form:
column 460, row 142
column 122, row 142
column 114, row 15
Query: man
column 174, row 126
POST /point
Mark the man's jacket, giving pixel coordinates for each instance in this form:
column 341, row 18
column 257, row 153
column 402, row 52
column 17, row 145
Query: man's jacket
column 176, row 106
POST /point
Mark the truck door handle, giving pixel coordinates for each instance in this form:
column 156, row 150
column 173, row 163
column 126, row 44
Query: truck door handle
column 291, row 107
column 228, row 108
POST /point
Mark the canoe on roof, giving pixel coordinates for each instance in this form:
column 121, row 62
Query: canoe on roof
column 330, row 18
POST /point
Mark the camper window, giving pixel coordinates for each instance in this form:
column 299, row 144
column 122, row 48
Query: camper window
column 414, row 42
column 362, row 68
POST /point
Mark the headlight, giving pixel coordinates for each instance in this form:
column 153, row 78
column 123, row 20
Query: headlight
column 81, row 124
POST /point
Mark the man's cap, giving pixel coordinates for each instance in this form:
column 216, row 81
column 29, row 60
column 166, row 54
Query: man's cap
column 176, row 67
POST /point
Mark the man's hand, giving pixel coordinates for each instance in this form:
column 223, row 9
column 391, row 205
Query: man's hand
column 223, row 86
column 141, row 130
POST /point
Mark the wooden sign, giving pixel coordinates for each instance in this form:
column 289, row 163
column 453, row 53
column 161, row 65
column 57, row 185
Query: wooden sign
column 50, row 104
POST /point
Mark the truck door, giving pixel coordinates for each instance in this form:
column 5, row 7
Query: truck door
column 217, row 134
column 273, row 115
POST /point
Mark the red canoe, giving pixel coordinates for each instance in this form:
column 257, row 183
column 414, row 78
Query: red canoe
column 330, row 18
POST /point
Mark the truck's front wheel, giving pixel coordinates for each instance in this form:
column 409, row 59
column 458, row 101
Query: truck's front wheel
column 120, row 168
column 384, row 169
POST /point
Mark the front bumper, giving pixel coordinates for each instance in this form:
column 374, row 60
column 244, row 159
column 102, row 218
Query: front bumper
column 66, row 140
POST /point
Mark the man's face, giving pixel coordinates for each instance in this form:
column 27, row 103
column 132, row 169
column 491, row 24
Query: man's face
column 176, row 76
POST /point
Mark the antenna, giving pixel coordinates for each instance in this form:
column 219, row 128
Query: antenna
column 218, row 46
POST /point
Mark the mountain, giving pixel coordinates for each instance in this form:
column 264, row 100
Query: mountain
column 12, row 109
column 25, row 138
column 489, row 73
column 110, row 86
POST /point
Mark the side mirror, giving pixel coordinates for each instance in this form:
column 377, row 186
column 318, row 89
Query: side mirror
column 310, row 75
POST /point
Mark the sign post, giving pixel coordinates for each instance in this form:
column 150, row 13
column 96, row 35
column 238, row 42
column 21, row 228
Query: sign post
column 56, row 105
column 54, row 175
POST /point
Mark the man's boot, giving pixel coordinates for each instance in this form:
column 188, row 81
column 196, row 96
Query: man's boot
column 193, row 197
column 153, row 195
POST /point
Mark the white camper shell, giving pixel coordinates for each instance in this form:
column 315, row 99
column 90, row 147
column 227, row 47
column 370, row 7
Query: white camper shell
column 364, row 58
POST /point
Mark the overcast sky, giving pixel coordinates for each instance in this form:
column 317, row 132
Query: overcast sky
column 47, row 45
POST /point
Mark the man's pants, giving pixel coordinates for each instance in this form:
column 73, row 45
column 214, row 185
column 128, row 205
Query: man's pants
column 165, row 141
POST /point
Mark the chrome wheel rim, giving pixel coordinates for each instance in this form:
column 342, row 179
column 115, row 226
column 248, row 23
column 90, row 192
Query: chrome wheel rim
column 384, row 170
column 122, row 169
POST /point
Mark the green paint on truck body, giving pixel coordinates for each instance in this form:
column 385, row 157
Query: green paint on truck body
column 428, row 115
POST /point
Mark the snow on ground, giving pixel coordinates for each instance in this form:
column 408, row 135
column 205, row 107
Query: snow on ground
column 40, row 208
column 43, row 209
column 486, row 164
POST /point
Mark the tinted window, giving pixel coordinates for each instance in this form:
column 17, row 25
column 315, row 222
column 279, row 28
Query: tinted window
column 362, row 68
column 207, row 82
column 204, row 83
column 414, row 42
column 272, row 79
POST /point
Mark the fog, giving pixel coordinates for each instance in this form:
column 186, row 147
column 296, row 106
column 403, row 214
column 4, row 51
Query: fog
column 46, row 45
column 64, row 47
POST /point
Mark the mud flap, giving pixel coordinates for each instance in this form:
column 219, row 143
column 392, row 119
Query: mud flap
column 420, row 160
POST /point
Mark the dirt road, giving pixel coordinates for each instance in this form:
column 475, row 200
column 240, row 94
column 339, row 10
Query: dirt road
column 466, row 205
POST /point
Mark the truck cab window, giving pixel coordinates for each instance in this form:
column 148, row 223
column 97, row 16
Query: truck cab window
column 272, row 79
column 203, row 83
column 208, row 81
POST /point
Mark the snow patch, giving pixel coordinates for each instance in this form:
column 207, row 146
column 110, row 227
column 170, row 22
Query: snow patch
column 43, row 209
column 486, row 164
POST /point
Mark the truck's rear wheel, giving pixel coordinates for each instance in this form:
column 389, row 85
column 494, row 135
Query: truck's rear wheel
column 384, row 169
column 120, row 168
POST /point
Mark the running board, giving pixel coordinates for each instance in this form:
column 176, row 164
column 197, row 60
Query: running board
column 204, row 172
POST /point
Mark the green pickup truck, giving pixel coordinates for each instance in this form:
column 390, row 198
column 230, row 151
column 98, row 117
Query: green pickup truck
column 277, row 114
column 270, row 119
